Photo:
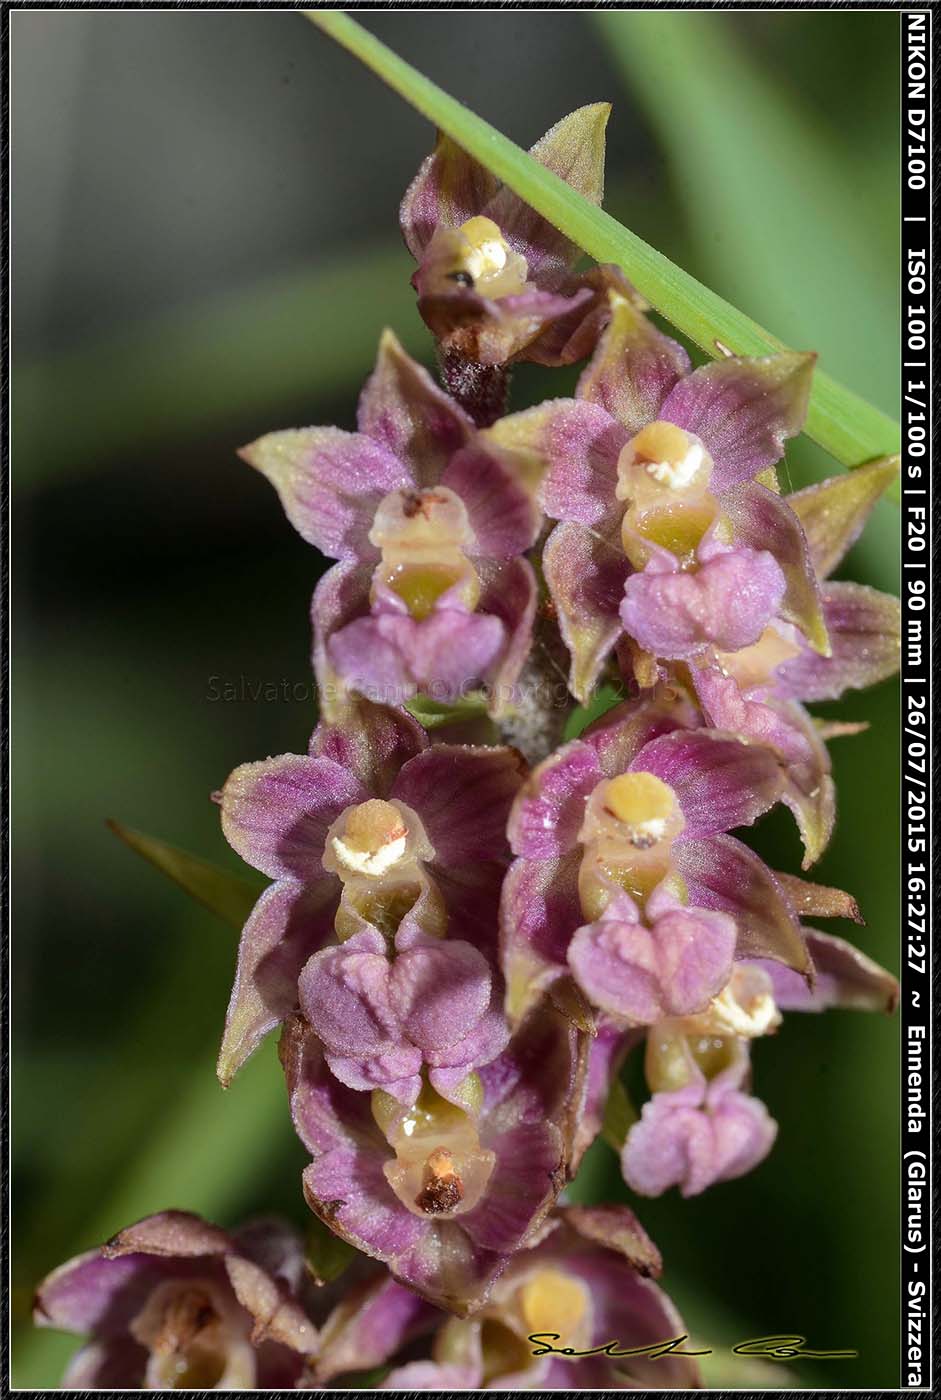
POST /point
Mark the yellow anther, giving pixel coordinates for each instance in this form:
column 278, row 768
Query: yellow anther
column 552, row 1301
column 372, row 838
column 642, row 801
column 493, row 266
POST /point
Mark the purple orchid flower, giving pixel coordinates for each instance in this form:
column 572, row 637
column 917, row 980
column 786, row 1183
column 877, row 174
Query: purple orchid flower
column 626, row 878
column 174, row 1303
column 494, row 279
column 759, row 691
column 587, row 1283
column 702, row 1132
column 443, row 1192
column 378, row 845
column 699, row 1127
column 668, row 533
column 365, row 1319
column 429, row 522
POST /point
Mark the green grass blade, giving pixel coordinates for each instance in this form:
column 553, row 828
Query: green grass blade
column 851, row 429
column 225, row 894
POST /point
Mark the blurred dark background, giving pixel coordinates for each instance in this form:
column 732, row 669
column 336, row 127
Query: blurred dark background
column 205, row 247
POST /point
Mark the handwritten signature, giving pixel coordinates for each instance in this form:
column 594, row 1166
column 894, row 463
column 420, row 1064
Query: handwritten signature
column 785, row 1347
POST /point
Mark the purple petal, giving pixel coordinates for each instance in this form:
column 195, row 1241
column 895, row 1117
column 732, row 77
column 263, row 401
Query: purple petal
column 509, row 594
column 674, row 968
column 330, row 484
column 677, row 1144
column 574, row 150
column 369, row 1327
column 581, row 443
column 728, row 601
column 725, row 707
column 845, row 977
column 439, row 991
column 585, row 572
column 346, row 997
column 787, row 729
column 471, row 893
column 744, row 410
column 549, row 809
column 865, row 636
column 345, row 1185
column 572, row 337
column 633, row 368
column 834, row 511
column 175, row 1234
column 809, row 790
column 278, row 1318
column 502, row 513
column 340, row 596
column 818, row 901
column 618, row 736
column 405, row 412
column 392, row 656
column 722, row 874
column 288, row 924
column 539, row 912
column 609, row 1046
column 764, row 521
column 91, row 1294
column 463, row 795
column 720, row 781
column 449, row 189
column 276, row 813
column 372, row 741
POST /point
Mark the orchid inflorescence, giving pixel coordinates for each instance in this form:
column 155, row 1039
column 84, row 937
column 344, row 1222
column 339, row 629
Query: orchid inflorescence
column 473, row 921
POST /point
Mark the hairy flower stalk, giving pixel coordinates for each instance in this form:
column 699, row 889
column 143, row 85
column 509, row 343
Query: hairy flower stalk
column 464, row 945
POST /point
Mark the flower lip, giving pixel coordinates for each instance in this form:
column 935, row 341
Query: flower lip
column 193, row 1338
column 439, row 1168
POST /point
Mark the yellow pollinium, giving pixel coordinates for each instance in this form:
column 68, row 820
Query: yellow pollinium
column 551, row 1301
column 494, row 268
column 661, row 442
column 641, row 801
column 373, row 839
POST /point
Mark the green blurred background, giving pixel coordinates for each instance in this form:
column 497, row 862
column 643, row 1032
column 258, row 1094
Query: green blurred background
column 205, row 247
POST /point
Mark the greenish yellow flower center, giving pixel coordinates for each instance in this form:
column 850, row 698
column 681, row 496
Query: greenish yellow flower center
column 476, row 256
column 664, row 474
column 631, row 822
column 439, row 1168
column 423, row 537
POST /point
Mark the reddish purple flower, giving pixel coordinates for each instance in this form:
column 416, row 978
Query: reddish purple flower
column 443, row 1192
column 175, row 1303
column 625, row 876
column 378, row 845
column 588, row 1283
column 758, row 691
column 429, row 522
column 704, row 1131
column 668, row 533
column 494, row 279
